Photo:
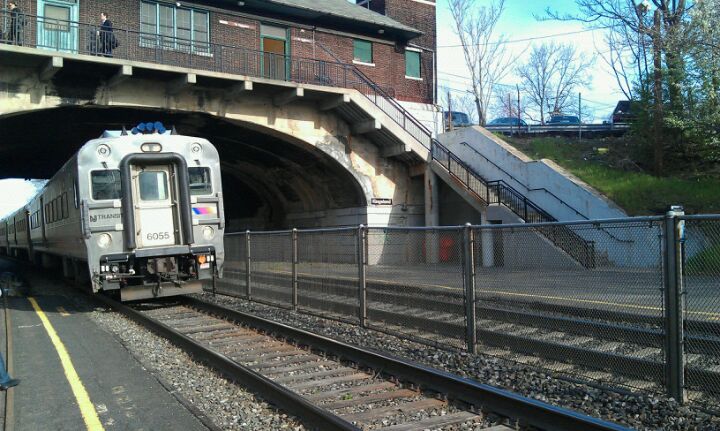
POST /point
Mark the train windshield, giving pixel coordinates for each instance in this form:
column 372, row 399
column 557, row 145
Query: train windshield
column 200, row 182
column 106, row 184
column 153, row 186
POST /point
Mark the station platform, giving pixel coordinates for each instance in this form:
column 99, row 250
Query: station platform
column 75, row 375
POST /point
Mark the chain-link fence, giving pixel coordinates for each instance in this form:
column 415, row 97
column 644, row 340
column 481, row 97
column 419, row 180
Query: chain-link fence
column 234, row 281
column 645, row 315
column 533, row 298
column 701, row 283
column 327, row 273
column 271, row 267
column 415, row 283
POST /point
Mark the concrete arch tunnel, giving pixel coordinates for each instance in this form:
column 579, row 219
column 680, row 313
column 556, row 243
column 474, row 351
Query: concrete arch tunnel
column 271, row 180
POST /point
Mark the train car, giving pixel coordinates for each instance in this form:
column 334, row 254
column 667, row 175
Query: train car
column 18, row 238
column 3, row 237
column 140, row 214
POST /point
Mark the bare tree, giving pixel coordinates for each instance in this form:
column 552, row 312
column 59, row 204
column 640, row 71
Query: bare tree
column 633, row 32
column 486, row 58
column 506, row 103
column 551, row 77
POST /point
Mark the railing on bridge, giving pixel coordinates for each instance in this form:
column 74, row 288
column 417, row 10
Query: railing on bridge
column 631, row 321
column 573, row 129
column 81, row 38
column 501, row 193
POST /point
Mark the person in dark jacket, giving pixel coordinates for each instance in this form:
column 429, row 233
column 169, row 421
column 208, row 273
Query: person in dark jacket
column 6, row 382
column 106, row 35
column 17, row 21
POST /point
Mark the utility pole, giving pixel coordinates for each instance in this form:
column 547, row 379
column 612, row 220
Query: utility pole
column 449, row 114
column 518, row 106
column 580, row 115
column 509, row 107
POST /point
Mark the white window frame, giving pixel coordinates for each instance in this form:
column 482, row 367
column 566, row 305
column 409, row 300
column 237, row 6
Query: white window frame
column 419, row 51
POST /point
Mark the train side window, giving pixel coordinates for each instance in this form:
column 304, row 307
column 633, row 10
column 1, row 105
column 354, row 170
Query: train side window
column 200, row 181
column 65, row 211
column 76, row 197
column 106, row 184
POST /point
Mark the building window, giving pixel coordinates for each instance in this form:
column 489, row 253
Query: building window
column 175, row 28
column 412, row 64
column 362, row 51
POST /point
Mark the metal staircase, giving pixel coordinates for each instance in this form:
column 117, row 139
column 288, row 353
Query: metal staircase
column 500, row 193
column 487, row 192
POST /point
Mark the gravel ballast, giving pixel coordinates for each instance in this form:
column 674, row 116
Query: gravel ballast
column 226, row 404
column 638, row 411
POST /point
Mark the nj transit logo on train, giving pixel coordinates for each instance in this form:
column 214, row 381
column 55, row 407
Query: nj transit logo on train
column 211, row 210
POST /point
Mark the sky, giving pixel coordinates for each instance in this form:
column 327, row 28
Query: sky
column 519, row 22
column 15, row 193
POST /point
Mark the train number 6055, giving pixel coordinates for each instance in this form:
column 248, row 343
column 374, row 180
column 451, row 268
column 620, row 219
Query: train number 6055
column 156, row 236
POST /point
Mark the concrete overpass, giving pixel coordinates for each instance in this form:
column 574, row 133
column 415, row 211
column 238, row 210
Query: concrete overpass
column 294, row 153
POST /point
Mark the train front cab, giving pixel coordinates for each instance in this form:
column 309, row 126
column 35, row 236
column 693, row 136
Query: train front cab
column 158, row 229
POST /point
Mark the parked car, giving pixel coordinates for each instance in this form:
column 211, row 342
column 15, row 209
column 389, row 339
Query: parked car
column 508, row 121
column 459, row 119
column 623, row 113
column 556, row 120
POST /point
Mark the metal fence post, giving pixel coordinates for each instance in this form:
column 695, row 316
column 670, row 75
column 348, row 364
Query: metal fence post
column 247, row 264
column 469, row 283
column 674, row 304
column 362, row 283
column 294, row 269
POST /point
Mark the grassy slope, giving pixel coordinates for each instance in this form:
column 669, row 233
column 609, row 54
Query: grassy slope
column 636, row 192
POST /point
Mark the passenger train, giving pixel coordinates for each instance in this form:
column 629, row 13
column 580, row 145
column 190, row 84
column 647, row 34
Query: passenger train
column 137, row 212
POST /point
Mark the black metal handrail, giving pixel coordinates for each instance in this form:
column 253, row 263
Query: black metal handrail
column 543, row 189
column 388, row 105
column 499, row 192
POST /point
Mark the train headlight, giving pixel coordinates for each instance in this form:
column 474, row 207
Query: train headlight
column 104, row 240
column 103, row 151
column 208, row 233
column 196, row 148
column 151, row 147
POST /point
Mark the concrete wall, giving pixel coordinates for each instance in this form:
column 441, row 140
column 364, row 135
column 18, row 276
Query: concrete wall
column 299, row 123
column 429, row 115
column 518, row 248
column 454, row 209
column 528, row 174
column 624, row 245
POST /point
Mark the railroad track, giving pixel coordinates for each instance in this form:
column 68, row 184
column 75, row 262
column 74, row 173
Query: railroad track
column 625, row 344
column 332, row 385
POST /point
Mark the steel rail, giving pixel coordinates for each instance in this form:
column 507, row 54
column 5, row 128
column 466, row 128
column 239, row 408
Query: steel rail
column 504, row 403
column 277, row 394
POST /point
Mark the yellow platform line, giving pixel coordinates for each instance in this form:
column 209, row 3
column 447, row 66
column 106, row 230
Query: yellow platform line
column 92, row 421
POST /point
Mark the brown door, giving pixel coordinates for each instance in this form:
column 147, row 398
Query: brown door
column 274, row 58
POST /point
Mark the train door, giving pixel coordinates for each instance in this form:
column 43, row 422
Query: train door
column 155, row 202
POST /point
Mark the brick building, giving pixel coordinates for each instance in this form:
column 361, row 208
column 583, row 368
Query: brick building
column 391, row 41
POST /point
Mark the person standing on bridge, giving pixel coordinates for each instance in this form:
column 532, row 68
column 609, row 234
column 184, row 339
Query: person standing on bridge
column 5, row 381
column 17, row 22
column 107, row 38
